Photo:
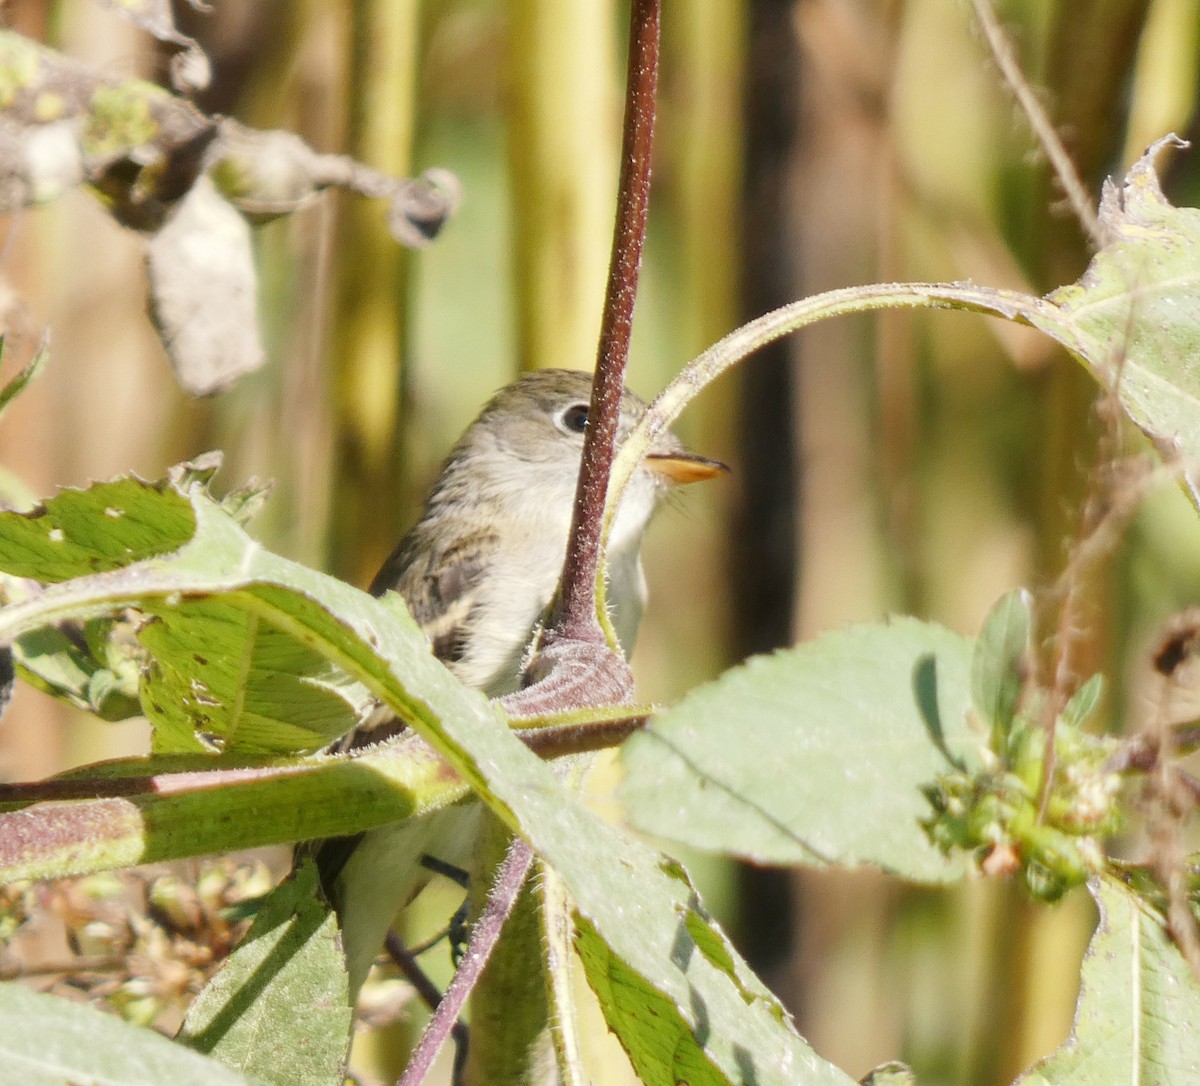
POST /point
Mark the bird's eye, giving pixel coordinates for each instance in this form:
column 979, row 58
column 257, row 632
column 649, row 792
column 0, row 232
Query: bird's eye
column 574, row 418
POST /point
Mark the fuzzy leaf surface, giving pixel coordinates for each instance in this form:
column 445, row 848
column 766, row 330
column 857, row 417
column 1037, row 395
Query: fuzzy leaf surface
column 1132, row 315
column 813, row 755
column 719, row 1024
column 105, row 527
column 279, row 1007
column 1138, row 1015
column 227, row 670
column 222, row 678
column 47, row 1041
column 86, row 665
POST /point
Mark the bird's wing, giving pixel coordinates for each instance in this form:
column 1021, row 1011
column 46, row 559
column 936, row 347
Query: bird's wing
column 441, row 588
column 440, row 584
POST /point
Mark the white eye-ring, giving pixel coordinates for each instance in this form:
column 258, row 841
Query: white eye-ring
column 573, row 419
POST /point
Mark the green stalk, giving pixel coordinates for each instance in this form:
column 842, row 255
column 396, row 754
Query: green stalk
column 564, row 137
column 368, row 337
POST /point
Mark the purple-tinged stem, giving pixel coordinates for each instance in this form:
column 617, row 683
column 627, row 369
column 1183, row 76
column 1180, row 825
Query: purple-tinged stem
column 485, row 932
column 576, row 618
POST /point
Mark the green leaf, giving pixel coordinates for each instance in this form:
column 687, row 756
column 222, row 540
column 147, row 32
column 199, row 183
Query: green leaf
column 48, row 1041
column 1138, row 1016
column 644, row 1019
column 1001, row 659
column 88, row 665
column 17, row 385
column 226, row 671
column 1084, row 702
column 814, row 755
column 637, row 912
column 105, row 527
column 682, row 1002
column 223, row 679
column 279, row 1007
column 1131, row 317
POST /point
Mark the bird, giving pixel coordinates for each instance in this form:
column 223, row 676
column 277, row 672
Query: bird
column 477, row 572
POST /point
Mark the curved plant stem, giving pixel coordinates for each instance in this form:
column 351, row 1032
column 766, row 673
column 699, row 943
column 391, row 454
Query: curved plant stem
column 744, row 341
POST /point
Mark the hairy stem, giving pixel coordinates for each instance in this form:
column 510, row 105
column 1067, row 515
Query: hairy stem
column 506, row 887
column 576, row 617
column 1047, row 135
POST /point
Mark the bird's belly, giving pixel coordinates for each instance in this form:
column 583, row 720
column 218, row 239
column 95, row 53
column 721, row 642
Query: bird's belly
column 507, row 616
column 503, row 622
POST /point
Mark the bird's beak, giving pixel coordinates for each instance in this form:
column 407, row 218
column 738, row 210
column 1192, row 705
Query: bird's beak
column 685, row 467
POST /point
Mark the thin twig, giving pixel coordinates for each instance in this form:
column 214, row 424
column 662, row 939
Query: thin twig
column 510, row 878
column 1081, row 201
column 72, row 966
column 576, row 617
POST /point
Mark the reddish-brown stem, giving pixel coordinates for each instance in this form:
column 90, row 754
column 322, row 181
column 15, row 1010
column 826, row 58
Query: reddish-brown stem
column 163, row 784
column 485, row 932
column 406, row 962
column 576, row 617
column 573, row 650
column 563, row 739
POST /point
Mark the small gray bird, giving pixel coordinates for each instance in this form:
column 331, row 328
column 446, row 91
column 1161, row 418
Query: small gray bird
column 478, row 571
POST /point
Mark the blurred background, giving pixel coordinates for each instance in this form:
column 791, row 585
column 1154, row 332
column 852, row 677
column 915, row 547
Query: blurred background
column 907, row 463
